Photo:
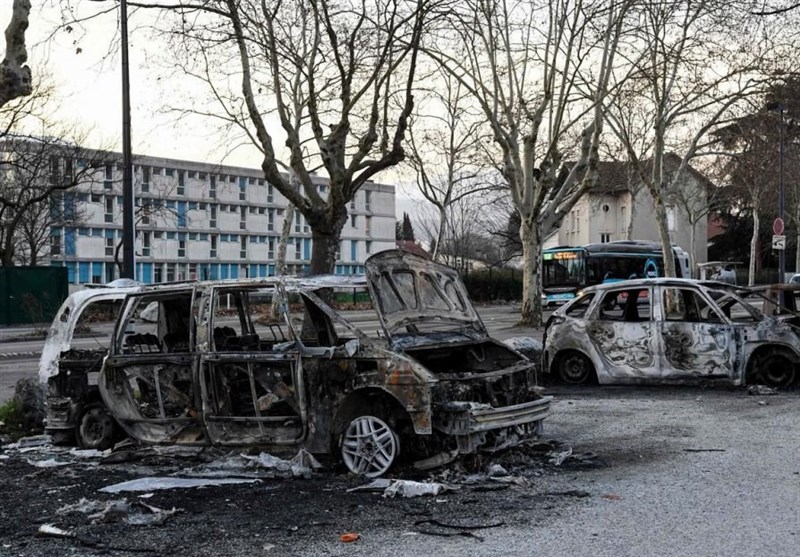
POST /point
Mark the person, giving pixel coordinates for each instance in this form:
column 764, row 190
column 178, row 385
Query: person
column 727, row 274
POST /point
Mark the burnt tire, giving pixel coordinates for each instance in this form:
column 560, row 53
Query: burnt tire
column 369, row 446
column 776, row 369
column 575, row 368
column 96, row 429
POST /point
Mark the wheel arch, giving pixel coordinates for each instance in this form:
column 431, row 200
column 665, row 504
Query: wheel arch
column 751, row 370
column 565, row 352
column 369, row 400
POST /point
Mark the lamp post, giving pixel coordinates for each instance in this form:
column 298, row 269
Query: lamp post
column 128, row 222
column 777, row 106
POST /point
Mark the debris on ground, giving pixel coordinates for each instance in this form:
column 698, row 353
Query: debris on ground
column 404, row 488
column 137, row 513
column 447, row 529
column 704, row 450
column 349, row 537
column 156, row 483
column 761, row 390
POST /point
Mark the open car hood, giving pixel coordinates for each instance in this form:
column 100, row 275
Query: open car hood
column 416, row 298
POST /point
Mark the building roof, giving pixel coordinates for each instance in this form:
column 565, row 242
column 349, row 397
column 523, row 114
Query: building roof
column 410, row 246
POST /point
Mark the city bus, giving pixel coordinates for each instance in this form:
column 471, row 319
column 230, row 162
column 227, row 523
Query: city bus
column 566, row 270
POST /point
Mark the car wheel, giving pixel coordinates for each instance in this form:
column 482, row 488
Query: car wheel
column 776, row 370
column 369, row 446
column 96, row 429
column 575, row 368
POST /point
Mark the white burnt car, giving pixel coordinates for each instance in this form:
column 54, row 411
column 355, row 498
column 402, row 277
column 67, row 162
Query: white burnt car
column 203, row 363
column 669, row 331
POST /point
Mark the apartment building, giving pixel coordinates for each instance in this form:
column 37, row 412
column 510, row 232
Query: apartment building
column 203, row 221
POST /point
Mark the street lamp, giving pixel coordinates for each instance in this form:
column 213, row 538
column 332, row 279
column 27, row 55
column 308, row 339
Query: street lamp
column 128, row 222
column 777, row 106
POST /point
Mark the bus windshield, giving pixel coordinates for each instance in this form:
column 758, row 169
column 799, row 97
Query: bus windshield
column 609, row 267
column 563, row 267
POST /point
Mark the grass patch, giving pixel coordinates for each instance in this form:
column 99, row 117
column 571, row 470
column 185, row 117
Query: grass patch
column 11, row 417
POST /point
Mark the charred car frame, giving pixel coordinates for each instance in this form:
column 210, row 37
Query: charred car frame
column 203, row 363
column 669, row 331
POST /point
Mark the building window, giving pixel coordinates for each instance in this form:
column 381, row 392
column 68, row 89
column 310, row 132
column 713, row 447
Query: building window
column 212, row 223
column 271, row 220
column 109, row 216
column 298, row 221
column 297, row 247
column 201, row 175
column 368, row 247
column 170, row 272
column 96, row 198
column 368, row 226
column 158, row 274
column 146, row 244
column 55, row 244
column 181, row 182
column 212, row 190
column 354, row 221
column 605, row 238
column 271, row 248
column 367, row 199
column 353, row 250
column 109, row 172
column 243, row 218
column 145, row 179
column 109, row 247
column 169, row 172
column 213, row 252
column 270, row 194
column 242, row 189
column 353, row 204
column 181, row 248
column 243, row 247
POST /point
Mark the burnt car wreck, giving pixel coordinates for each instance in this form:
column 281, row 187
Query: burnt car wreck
column 671, row 331
column 202, row 363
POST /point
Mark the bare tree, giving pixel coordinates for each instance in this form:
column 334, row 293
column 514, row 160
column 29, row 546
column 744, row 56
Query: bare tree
column 15, row 75
column 446, row 152
column 680, row 100
column 37, row 174
column 538, row 71
column 331, row 80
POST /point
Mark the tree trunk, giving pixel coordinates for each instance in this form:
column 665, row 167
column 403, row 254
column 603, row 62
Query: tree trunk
column 692, row 245
column 531, row 313
column 323, row 251
column 440, row 233
column 751, row 273
column 663, row 234
column 797, row 251
column 632, row 214
column 280, row 260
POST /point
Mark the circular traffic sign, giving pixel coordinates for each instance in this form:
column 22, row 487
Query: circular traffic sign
column 777, row 226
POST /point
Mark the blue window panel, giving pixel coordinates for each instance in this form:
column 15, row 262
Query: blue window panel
column 146, row 274
column 69, row 206
column 181, row 213
column 71, row 273
column 271, row 271
column 353, row 249
column 55, row 231
column 192, row 205
column 306, row 269
column 252, row 271
column 253, row 239
column 170, row 204
column 213, row 271
column 170, row 235
column 97, row 269
column 234, row 271
column 262, row 270
column 84, row 232
column 204, row 237
column 108, row 233
column 83, row 272
column 69, row 243
column 337, row 270
column 223, row 270
column 97, row 232
column 306, row 248
column 182, row 236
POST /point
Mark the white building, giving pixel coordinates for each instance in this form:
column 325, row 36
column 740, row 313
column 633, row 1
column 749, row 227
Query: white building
column 620, row 208
column 204, row 221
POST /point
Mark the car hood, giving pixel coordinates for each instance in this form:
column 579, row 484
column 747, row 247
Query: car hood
column 59, row 336
column 415, row 297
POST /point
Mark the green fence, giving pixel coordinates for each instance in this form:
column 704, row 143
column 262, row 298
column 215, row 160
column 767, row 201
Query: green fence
column 31, row 294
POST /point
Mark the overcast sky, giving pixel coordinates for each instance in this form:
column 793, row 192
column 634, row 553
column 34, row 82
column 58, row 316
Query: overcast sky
column 88, row 82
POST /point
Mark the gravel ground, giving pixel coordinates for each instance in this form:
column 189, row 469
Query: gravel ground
column 687, row 471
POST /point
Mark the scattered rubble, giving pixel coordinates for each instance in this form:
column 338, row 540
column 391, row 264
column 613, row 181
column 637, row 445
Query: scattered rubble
column 136, row 513
column 404, row 488
column 761, row 390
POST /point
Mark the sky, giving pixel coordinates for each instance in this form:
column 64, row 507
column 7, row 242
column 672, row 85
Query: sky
column 85, row 67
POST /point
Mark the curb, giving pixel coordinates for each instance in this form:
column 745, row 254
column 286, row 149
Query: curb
column 15, row 355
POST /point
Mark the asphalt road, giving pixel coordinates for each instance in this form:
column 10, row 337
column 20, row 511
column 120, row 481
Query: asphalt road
column 20, row 348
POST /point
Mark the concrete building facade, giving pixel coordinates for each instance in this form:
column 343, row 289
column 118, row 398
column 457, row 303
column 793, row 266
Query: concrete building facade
column 204, row 221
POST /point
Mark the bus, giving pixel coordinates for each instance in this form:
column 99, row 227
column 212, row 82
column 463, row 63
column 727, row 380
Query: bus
column 567, row 270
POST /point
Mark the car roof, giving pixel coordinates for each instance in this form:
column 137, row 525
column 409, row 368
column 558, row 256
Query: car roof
column 291, row 283
column 660, row 281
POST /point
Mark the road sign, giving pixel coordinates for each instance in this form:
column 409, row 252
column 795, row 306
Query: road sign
column 777, row 229
column 778, row 241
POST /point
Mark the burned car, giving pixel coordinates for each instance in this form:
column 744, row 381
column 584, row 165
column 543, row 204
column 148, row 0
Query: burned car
column 211, row 367
column 669, row 331
column 69, row 367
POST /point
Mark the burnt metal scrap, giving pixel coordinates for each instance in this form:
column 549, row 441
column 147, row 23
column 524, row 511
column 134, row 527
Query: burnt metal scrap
column 671, row 331
column 202, row 363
